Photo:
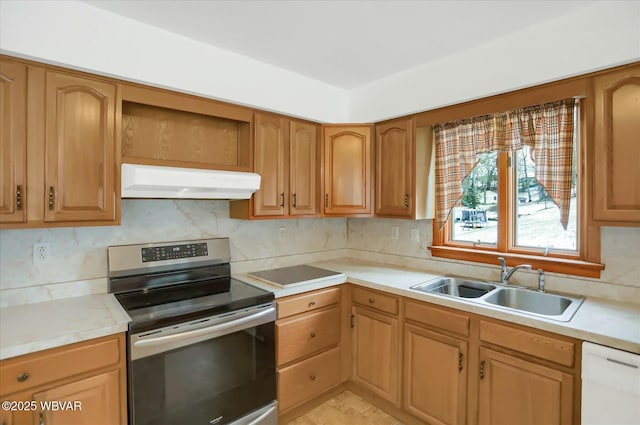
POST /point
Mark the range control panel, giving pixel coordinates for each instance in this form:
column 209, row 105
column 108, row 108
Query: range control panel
column 173, row 252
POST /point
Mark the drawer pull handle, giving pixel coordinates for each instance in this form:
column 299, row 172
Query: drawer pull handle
column 313, row 334
column 371, row 301
column 312, row 303
column 482, row 369
column 312, row 377
column 23, row 376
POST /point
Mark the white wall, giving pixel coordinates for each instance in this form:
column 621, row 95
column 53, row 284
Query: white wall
column 77, row 35
column 80, row 36
column 596, row 37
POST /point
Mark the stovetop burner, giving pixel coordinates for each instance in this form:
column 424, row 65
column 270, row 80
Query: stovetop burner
column 164, row 284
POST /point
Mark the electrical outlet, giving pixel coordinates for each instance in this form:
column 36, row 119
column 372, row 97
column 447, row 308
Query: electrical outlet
column 415, row 235
column 281, row 233
column 41, row 253
column 395, row 233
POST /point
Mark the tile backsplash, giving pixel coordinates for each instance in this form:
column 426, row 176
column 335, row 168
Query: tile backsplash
column 620, row 252
column 78, row 256
column 80, row 253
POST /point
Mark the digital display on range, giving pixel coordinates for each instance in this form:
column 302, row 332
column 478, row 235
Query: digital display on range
column 173, row 252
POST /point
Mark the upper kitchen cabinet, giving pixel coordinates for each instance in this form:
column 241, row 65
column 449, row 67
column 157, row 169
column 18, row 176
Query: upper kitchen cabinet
column 304, row 175
column 160, row 127
column 80, row 149
column 286, row 155
column 617, row 146
column 63, row 170
column 13, row 141
column 404, row 184
column 347, row 170
column 270, row 161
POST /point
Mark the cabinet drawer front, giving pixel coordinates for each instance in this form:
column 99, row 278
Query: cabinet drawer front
column 40, row 368
column 307, row 302
column 307, row 334
column 440, row 318
column 309, row 378
column 534, row 344
column 376, row 300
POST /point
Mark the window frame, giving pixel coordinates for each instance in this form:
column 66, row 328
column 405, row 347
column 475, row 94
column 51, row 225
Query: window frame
column 586, row 262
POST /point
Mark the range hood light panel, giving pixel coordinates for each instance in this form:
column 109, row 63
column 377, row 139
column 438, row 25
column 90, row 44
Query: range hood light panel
column 150, row 181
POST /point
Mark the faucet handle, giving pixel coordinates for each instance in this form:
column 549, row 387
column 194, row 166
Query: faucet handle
column 503, row 263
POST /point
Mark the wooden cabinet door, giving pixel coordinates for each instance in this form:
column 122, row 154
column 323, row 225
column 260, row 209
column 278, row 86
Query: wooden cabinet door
column 13, row 141
column 80, row 149
column 98, row 397
column 375, row 353
column 303, row 169
column 394, row 169
column 347, row 170
column 270, row 162
column 515, row 391
column 435, row 376
column 617, row 146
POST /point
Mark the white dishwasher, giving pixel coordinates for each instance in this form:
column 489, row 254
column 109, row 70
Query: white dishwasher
column 610, row 386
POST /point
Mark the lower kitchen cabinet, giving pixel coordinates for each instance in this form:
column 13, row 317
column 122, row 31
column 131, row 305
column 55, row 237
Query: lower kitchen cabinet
column 308, row 346
column 78, row 384
column 375, row 351
column 435, row 376
column 516, row 391
column 308, row 378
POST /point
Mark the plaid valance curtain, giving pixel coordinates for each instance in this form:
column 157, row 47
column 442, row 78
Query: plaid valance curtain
column 547, row 129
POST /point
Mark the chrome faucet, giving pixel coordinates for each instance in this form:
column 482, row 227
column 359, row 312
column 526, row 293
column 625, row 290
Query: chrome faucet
column 505, row 273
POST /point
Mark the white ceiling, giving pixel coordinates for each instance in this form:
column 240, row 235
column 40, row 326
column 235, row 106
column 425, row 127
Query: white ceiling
column 343, row 43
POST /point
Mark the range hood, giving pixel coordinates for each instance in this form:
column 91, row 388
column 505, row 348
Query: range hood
column 151, row 181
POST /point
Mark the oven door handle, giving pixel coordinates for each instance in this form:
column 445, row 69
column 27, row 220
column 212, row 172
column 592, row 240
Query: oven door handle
column 159, row 344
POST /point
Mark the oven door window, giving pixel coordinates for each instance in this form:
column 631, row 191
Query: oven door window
column 213, row 381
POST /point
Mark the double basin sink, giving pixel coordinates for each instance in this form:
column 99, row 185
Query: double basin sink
column 513, row 298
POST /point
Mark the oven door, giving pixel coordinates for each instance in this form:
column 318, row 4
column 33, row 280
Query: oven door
column 215, row 370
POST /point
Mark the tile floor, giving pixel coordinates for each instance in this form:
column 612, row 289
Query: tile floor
column 346, row 409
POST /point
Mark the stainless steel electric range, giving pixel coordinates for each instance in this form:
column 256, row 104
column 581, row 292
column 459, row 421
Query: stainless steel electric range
column 201, row 345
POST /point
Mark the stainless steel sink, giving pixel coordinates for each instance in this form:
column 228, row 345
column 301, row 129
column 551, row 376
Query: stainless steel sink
column 513, row 298
column 558, row 307
column 456, row 287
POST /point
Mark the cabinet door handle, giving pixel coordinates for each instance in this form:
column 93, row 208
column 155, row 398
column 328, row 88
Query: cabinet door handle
column 19, row 197
column 482, row 369
column 51, row 196
column 460, row 357
column 326, row 200
column 41, row 418
column 282, row 200
column 312, row 335
column 406, row 200
column 294, row 200
column 23, row 376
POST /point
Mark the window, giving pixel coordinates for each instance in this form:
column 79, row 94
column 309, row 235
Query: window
column 503, row 207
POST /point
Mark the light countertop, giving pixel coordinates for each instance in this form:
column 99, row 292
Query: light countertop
column 33, row 327
column 599, row 321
